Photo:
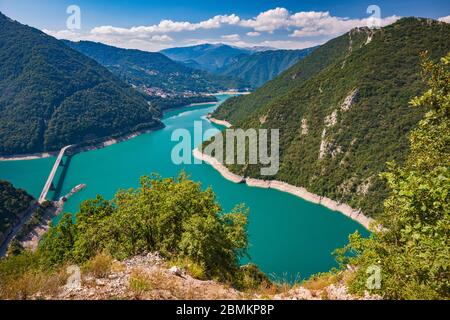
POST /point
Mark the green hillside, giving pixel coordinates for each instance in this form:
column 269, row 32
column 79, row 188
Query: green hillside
column 343, row 110
column 260, row 67
column 51, row 95
column 13, row 203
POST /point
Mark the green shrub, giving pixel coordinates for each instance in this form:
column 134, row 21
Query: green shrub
column 171, row 216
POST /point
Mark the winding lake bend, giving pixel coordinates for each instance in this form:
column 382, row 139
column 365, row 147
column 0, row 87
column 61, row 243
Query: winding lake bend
column 290, row 238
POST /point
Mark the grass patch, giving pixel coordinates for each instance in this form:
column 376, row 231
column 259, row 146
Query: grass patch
column 99, row 266
column 139, row 283
column 320, row 281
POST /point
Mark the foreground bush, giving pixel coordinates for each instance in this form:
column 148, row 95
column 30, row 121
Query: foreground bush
column 171, row 216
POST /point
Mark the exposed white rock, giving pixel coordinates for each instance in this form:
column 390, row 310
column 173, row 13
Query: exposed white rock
column 323, row 144
column 176, row 271
column 304, row 126
column 331, row 119
column 364, row 187
column 349, row 100
column 263, row 119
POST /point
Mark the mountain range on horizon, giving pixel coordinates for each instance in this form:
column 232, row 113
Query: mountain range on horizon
column 254, row 65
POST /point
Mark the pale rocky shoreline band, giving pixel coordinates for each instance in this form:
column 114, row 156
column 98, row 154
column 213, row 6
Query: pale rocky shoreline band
column 219, row 122
column 300, row 192
column 95, row 146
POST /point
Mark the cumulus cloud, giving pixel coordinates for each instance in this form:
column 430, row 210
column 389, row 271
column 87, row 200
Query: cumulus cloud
column 445, row 19
column 166, row 26
column 150, row 43
column 269, row 20
column 320, row 26
column 161, row 38
column 63, row 34
column 311, row 24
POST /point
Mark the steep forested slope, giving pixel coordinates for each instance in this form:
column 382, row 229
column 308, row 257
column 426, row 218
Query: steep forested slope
column 13, row 203
column 51, row 95
column 343, row 110
column 260, row 67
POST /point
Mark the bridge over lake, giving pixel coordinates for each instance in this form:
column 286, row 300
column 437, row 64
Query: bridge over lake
column 50, row 178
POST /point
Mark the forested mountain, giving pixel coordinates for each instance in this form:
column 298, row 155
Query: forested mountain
column 209, row 57
column 254, row 66
column 260, row 67
column 51, row 95
column 13, row 203
column 153, row 70
column 343, row 110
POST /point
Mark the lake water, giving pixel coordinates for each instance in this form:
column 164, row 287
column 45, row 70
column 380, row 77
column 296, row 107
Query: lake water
column 289, row 237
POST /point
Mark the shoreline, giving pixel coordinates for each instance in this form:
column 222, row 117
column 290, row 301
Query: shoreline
column 108, row 141
column 200, row 104
column 227, row 92
column 300, row 192
column 29, row 156
column 219, row 122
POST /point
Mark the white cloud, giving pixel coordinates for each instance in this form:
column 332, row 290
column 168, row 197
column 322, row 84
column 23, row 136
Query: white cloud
column 320, row 25
column 231, row 37
column 269, row 20
column 166, row 26
column 150, row 43
column 445, row 19
column 161, row 38
column 307, row 24
column 63, row 34
column 253, row 34
column 323, row 24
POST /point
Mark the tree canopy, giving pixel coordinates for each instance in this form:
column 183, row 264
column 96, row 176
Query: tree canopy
column 171, row 216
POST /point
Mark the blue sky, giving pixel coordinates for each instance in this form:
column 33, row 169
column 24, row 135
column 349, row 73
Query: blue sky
column 156, row 24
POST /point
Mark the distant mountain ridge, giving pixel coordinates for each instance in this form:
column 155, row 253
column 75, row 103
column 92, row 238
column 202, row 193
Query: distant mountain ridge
column 210, row 57
column 343, row 110
column 262, row 66
column 51, row 95
column 153, row 69
column 253, row 65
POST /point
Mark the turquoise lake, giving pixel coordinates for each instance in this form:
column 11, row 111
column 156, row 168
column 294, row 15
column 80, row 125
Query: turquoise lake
column 289, row 237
